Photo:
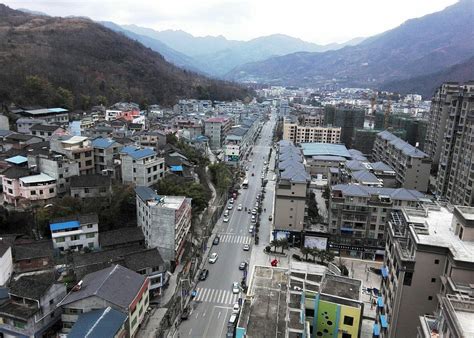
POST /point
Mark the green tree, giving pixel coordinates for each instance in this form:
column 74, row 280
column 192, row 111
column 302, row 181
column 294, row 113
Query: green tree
column 314, row 252
column 65, row 99
column 85, row 102
column 101, row 100
column 283, row 243
column 275, row 243
column 305, row 251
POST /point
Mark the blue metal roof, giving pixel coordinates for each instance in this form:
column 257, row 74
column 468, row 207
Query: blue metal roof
column 384, row 272
column 380, row 301
column 98, row 324
column 176, row 168
column 376, row 330
column 137, row 153
column 64, row 225
column 383, row 321
column 17, row 159
column 102, row 142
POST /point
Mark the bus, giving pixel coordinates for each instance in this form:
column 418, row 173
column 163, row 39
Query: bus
column 245, row 183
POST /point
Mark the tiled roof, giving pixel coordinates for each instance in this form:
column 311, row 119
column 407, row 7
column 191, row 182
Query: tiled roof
column 32, row 287
column 116, row 285
column 103, row 143
column 33, row 250
column 89, row 181
column 360, row 190
column 44, row 127
column 121, row 236
column 146, row 193
column 365, row 176
column 314, row 149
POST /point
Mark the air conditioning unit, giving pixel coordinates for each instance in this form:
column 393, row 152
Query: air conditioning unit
column 105, row 172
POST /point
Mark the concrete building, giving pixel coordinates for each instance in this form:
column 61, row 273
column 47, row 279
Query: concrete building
column 291, row 192
column 348, row 118
column 32, row 306
column 6, row 261
column 76, row 233
column 116, row 287
column 451, row 136
column 429, row 252
column 308, row 134
column 453, row 319
column 216, row 129
column 57, row 166
column 58, row 116
column 106, row 156
column 358, row 217
column 24, row 124
column 91, row 186
column 154, row 139
column 46, row 131
column 443, row 110
column 302, row 301
column 239, row 140
column 141, row 166
column 165, row 222
column 77, row 148
column 19, row 186
column 411, row 165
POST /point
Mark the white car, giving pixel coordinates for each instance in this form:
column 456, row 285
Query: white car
column 226, row 219
column 251, row 229
column 229, row 207
column 239, row 207
column 254, row 211
column 226, row 213
column 213, row 258
column 231, row 201
column 246, row 247
column 236, row 308
column 235, row 287
column 254, row 219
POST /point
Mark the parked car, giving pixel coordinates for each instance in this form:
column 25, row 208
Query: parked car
column 226, row 213
column 185, row 314
column 254, row 211
column 229, row 206
column 270, row 217
column 246, row 247
column 226, row 219
column 203, row 275
column 243, row 265
column 239, row 207
column 236, row 308
column 213, row 258
column 235, row 287
column 216, row 240
column 251, row 229
column 253, row 219
column 231, row 201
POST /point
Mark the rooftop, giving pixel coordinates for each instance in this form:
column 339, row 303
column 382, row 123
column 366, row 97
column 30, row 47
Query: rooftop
column 401, row 145
column 98, row 323
column 137, row 153
column 88, row 181
column 365, row 191
column 328, row 149
column 17, row 159
column 37, row 178
column 44, row 127
column 343, row 287
column 32, row 287
column 434, row 228
column 121, row 236
column 46, row 111
column 116, row 285
column 147, row 194
column 73, row 139
column 32, row 250
column 103, row 143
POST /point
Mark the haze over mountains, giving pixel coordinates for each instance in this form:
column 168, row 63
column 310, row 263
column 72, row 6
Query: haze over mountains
column 46, row 60
column 418, row 47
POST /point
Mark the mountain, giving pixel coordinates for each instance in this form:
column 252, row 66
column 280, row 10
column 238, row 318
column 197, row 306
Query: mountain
column 417, row 47
column 170, row 55
column 216, row 55
column 76, row 62
column 184, row 42
column 427, row 84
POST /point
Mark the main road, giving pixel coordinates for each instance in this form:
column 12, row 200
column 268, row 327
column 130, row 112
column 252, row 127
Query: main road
column 212, row 306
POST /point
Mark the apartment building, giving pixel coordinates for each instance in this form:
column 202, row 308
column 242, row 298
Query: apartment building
column 358, row 217
column 291, row 191
column 411, row 165
column 58, row 116
column 24, row 124
column 107, row 288
column 77, row 148
column 308, row 134
column 453, row 319
column 75, row 233
column 348, row 118
column 165, row 222
column 141, row 166
column 239, row 140
column 216, row 129
column 429, row 256
column 451, row 137
column 46, row 131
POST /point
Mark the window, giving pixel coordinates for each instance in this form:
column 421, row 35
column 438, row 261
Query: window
column 346, row 335
column 75, row 237
column 433, row 280
column 430, row 297
column 33, row 192
column 86, row 190
column 90, row 245
column 102, row 189
column 51, row 301
column 51, row 190
column 348, row 320
column 407, row 278
column 59, row 240
column 90, row 235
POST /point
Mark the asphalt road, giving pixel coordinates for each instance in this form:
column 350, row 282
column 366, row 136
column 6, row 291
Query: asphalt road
column 212, row 307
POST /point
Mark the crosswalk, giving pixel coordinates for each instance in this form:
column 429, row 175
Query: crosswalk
column 216, row 296
column 235, row 239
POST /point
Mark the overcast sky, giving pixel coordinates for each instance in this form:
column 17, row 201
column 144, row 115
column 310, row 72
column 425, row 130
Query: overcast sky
column 319, row 21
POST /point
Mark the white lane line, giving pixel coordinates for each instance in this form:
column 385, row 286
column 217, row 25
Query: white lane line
column 199, row 293
column 191, row 330
column 223, row 297
column 211, row 294
column 228, row 298
column 218, row 315
column 204, row 294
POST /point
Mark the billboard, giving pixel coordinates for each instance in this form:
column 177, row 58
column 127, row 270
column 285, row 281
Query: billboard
column 316, row 242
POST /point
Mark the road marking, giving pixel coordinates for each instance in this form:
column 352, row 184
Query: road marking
column 204, row 314
column 218, row 315
column 191, row 330
column 223, row 297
